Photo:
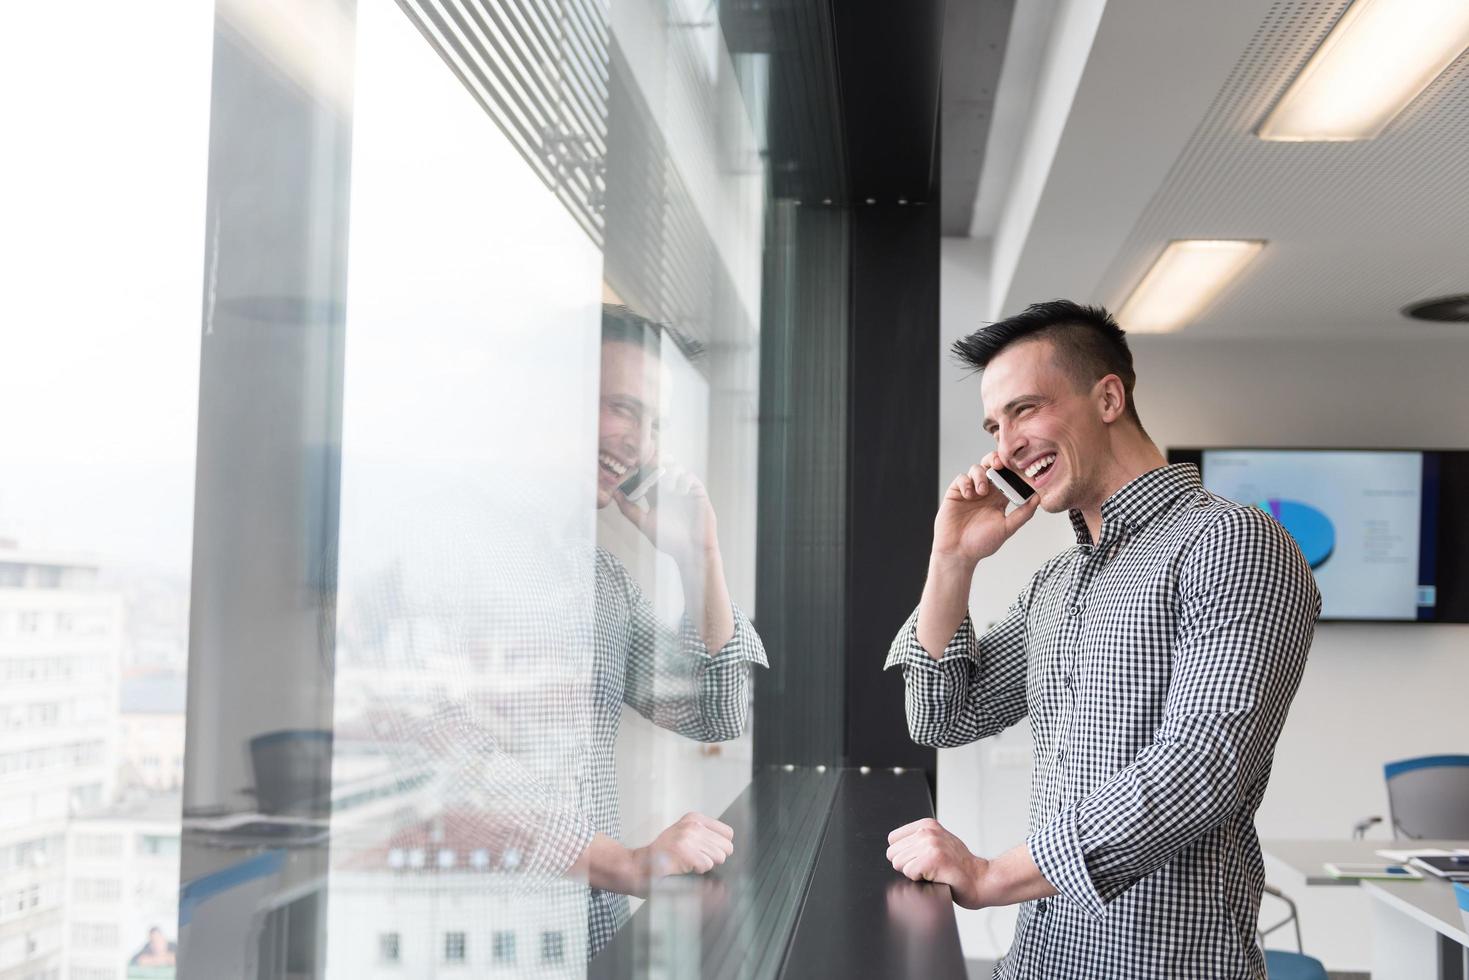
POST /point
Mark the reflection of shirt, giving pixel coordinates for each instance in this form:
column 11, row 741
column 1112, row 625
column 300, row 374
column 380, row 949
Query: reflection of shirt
column 668, row 677
column 1156, row 666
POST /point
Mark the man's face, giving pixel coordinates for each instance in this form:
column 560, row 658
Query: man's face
column 1045, row 429
column 628, row 429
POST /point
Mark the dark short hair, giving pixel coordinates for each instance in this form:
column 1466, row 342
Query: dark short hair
column 1088, row 342
column 622, row 325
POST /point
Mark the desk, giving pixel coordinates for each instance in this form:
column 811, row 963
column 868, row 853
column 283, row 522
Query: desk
column 808, row 892
column 1417, row 929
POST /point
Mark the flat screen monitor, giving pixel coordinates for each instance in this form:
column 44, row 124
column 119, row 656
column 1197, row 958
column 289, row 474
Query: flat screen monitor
column 1384, row 530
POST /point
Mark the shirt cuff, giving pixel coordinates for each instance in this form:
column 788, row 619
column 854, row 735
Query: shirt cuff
column 906, row 651
column 744, row 647
column 1057, row 852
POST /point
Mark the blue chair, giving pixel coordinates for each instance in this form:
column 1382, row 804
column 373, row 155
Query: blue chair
column 1282, row 964
column 1428, row 797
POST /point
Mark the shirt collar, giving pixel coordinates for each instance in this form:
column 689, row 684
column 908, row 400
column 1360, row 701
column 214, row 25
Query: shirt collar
column 1141, row 499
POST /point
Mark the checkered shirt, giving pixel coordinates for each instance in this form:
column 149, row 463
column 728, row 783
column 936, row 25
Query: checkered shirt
column 1156, row 666
column 667, row 677
column 536, row 669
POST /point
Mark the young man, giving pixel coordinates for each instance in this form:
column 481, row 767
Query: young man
column 1156, row 661
column 523, row 742
column 695, row 682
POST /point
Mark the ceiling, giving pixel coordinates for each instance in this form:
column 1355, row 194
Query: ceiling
column 1153, row 141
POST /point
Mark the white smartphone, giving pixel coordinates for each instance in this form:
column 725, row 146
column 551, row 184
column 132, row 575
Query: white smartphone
column 643, row 479
column 1016, row 490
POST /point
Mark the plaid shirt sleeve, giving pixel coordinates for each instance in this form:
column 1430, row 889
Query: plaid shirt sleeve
column 538, row 835
column 976, row 689
column 1247, row 608
column 674, row 680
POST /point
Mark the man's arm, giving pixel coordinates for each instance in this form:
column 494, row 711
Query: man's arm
column 925, row 851
column 1248, row 607
column 673, row 678
column 694, row 844
column 706, row 597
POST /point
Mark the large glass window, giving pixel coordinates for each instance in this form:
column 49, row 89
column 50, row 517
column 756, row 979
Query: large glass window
column 377, row 557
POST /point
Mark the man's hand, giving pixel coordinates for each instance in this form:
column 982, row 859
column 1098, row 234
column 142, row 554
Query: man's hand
column 972, row 524
column 679, row 519
column 694, row 844
column 924, row 851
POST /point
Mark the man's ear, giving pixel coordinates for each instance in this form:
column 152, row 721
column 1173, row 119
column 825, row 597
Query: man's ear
column 1111, row 398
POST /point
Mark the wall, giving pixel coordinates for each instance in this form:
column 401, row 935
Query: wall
column 1394, row 392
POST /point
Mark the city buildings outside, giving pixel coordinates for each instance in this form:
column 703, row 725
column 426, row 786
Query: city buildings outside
column 121, row 901
column 151, row 732
column 60, row 650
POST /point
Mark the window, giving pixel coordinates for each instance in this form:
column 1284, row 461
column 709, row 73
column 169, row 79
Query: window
column 93, row 935
column 93, row 973
column 453, row 947
column 96, row 890
column 502, row 948
column 553, row 947
column 387, row 947
column 97, row 846
column 158, row 845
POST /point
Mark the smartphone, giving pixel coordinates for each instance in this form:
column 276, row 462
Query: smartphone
column 1016, row 490
column 643, row 479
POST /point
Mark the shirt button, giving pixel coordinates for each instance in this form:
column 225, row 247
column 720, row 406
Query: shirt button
column 1042, row 905
column 1067, row 682
column 1075, row 609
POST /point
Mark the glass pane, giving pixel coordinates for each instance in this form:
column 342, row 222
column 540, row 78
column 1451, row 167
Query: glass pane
column 102, row 242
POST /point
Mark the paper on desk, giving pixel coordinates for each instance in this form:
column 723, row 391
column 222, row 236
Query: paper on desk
column 1402, row 857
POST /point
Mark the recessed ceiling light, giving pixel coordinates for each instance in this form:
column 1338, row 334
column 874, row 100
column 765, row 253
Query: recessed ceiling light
column 1378, row 58
column 1445, row 309
column 1185, row 279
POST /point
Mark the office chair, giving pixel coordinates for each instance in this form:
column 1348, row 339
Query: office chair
column 1282, row 964
column 1427, row 798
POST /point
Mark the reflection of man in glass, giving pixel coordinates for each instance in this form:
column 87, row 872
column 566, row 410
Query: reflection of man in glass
column 498, row 651
column 158, row 952
column 694, row 681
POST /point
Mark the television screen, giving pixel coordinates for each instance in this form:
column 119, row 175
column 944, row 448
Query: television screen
column 1382, row 530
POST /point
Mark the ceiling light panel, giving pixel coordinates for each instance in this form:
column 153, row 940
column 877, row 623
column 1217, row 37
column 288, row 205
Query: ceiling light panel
column 1378, row 58
column 1185, row 279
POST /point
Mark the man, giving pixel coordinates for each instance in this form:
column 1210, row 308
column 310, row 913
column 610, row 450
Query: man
column 523, row 741
column 694, row 682
column 1156, row 661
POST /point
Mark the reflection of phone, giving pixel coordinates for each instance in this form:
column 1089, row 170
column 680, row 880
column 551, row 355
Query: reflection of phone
column 1016, row 490
column 643, row 479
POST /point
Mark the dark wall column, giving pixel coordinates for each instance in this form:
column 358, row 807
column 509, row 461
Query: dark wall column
column 892, row 439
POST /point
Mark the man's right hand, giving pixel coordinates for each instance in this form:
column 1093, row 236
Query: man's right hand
column 695, row 844
column 972, row 524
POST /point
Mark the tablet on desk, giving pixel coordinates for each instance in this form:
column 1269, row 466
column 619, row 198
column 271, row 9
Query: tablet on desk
column 1392, row 872
column 1454, row 867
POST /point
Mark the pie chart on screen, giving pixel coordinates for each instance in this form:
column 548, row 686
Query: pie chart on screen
column 1313, row 530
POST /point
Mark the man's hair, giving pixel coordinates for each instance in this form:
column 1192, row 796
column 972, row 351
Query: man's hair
column 622, row 325
column 1088, row 342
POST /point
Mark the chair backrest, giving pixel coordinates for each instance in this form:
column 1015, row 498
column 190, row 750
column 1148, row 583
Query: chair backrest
column 1428, row 797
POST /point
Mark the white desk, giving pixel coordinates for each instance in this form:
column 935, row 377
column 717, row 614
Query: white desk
column 1417, row 929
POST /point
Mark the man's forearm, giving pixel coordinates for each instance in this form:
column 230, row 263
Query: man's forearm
column 706, row 599
column 945, row 602
column 1013, row 877
column 608, row 865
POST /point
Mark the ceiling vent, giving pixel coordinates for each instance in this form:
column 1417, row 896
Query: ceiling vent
column 1445, row 309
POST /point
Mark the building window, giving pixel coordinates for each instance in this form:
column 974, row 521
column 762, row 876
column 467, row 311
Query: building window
column 553, row 947
column 158, row 845
column 107, row 890
column 453, row 947
column 97, row 846
column 387, row 947
column 502, row 948
column 93, row 935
